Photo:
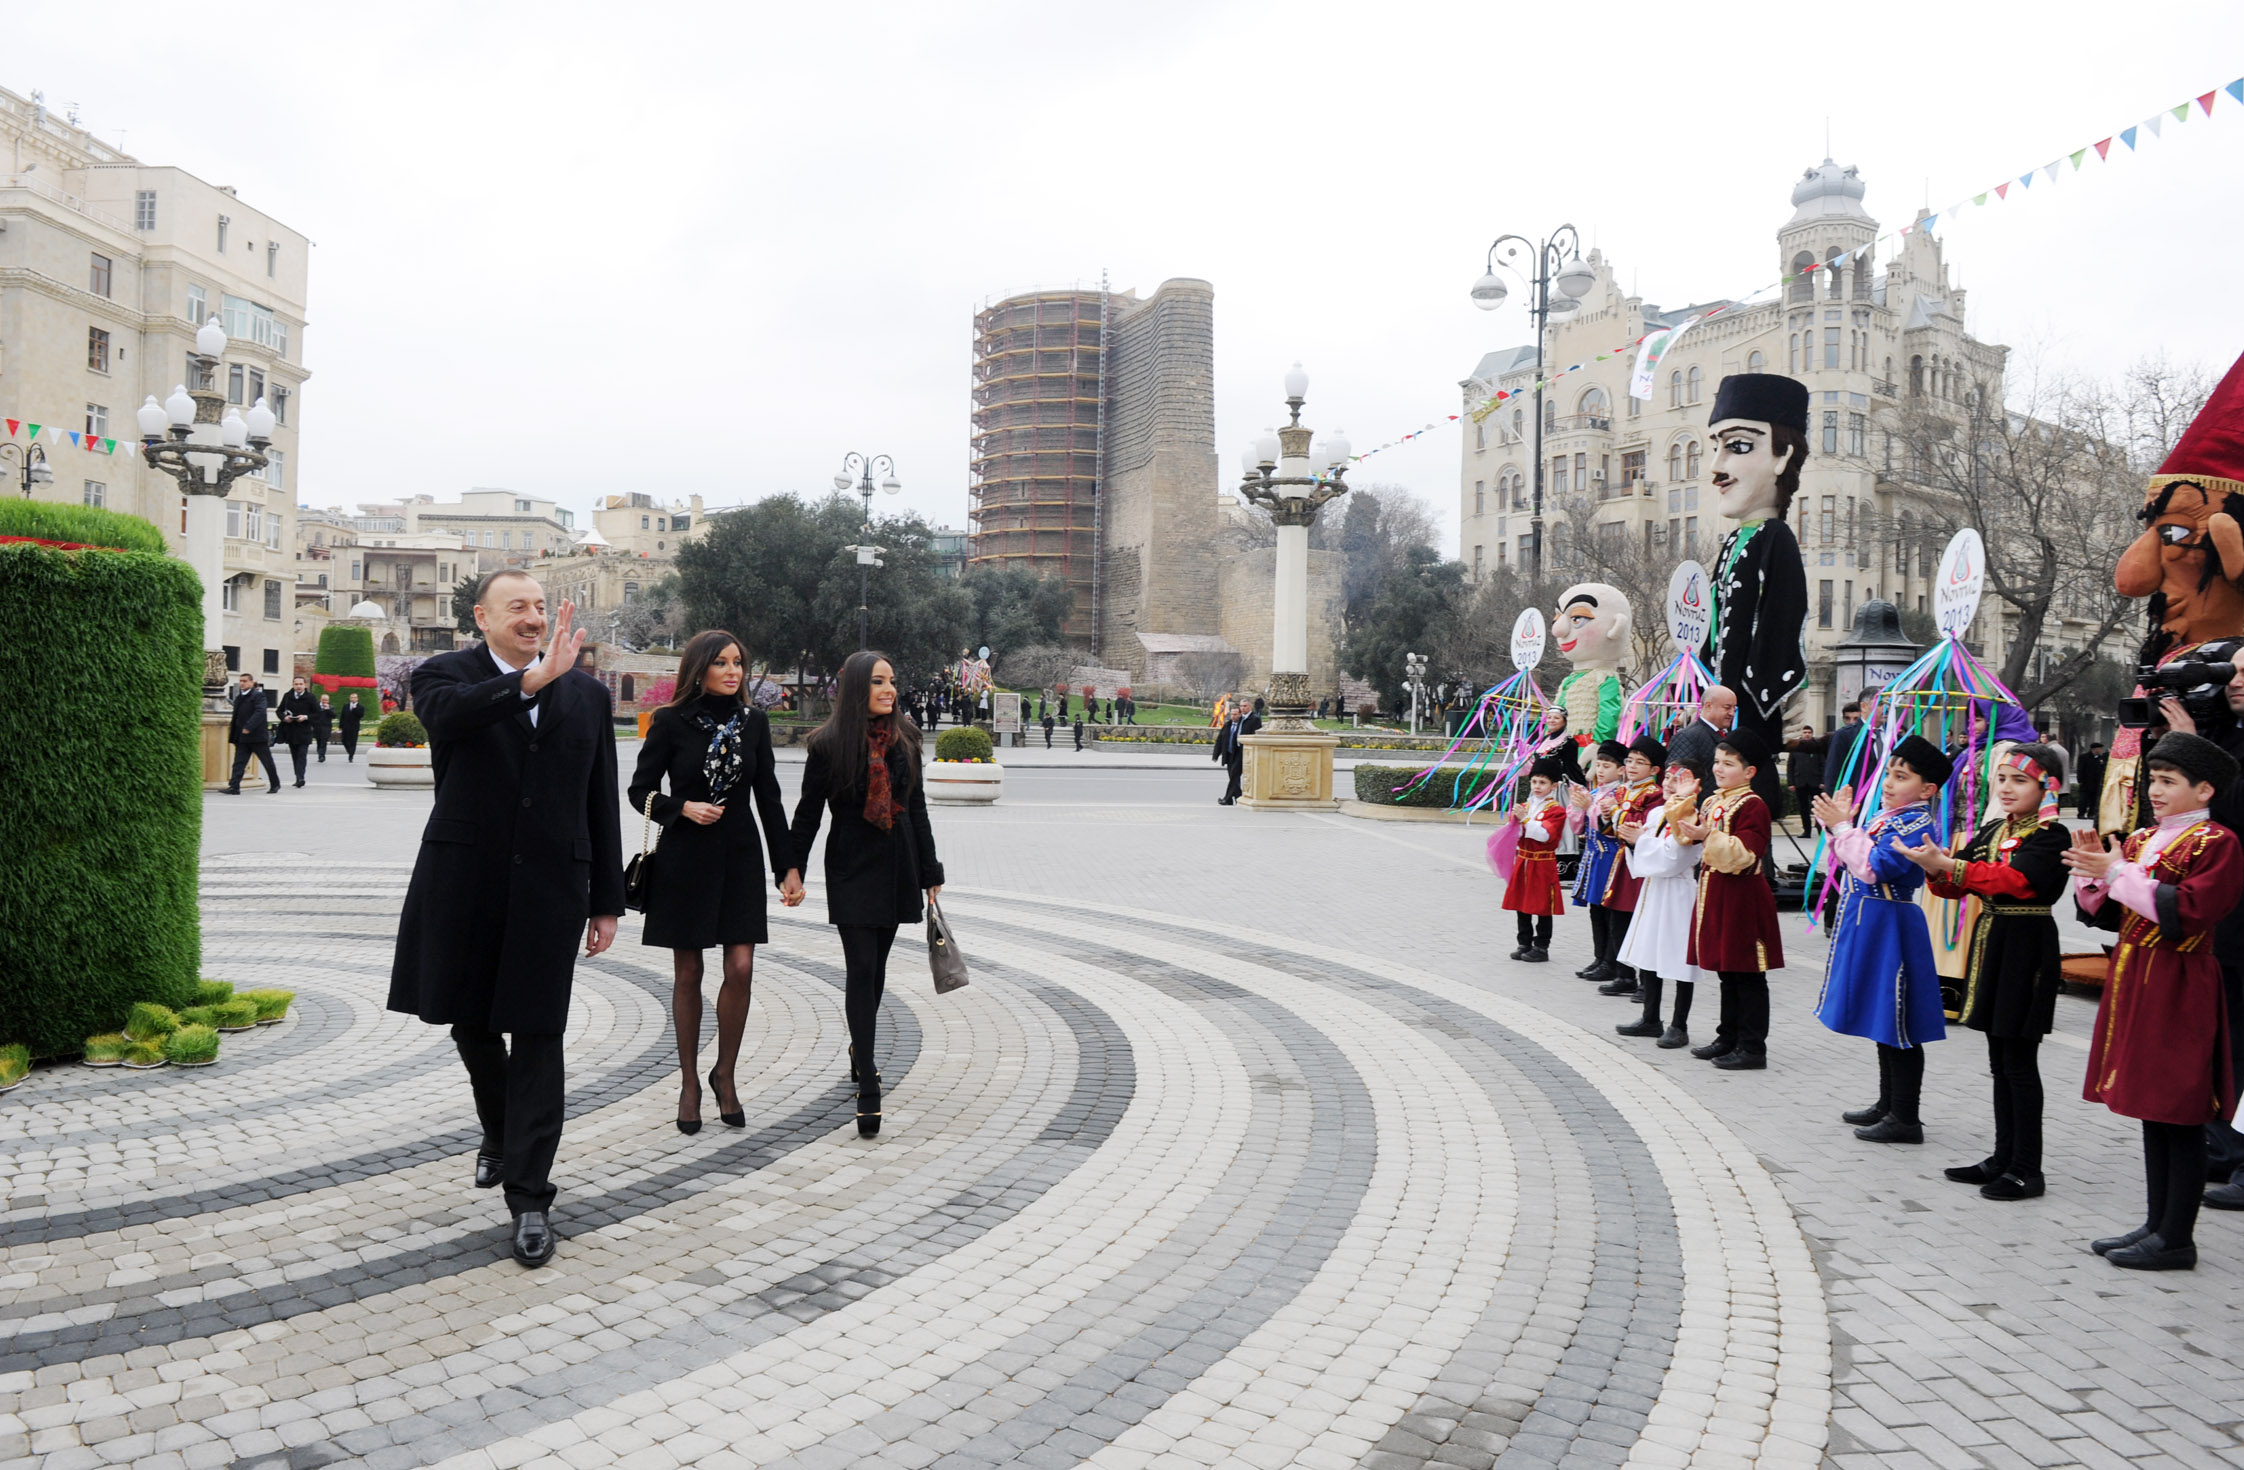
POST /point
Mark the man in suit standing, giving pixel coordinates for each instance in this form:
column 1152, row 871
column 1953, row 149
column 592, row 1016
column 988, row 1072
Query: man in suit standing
column 251, row 734
column 297, row 712
column 348, row 722
column 521, row 851
column 323, row 726
column 1718, row 709
column 1231, row 752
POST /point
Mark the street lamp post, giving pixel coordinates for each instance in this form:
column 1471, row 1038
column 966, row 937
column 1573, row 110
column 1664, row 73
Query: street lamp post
column 857, row 474
column 1557, row 262
column 33, row 469
column 194, row 438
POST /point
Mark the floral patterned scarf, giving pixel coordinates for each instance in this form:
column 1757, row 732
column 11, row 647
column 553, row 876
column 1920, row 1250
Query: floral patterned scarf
column 881, row 806
column 721, row 766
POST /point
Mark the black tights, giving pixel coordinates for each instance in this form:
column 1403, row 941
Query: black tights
column 1535, row 931
column 1901, row 1081
column 2174, row 1178
column 865, row 957
column 732, row 1018
column 1745, row 1011
column 1681, row 1016
column 1608, row 928
column 2014, row 1063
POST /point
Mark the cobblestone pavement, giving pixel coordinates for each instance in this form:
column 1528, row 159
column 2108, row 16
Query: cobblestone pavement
column 1246, row 1146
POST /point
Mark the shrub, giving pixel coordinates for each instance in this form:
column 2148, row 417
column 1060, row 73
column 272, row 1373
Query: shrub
column 655, row 693
column 234, row 1015
column 15, row 1063
column 963, row 743
column 106, row 1050
column 211, row 992
column 150, row 1022
column 1375, row 786
column 199, row 1015
column 402, row 728
column 143, row 1054
column 80, row 524
column 191, row 1044
column 348, row 652
column 100, row 652
column 271, row 1004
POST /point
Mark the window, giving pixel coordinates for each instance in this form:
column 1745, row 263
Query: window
column 522, row 507
column 487, row 539
column 1581, row 472
column 1690, row 536
column 1519, row 422
column 1792, row 354
column 1635, row 405
column 229, row 601
column 1526, row 551
column 1697, row 384
column 233, row 381
column 1831, row 431
column 273, row 529
column 97, row 349
column 272, row 258
column 1550, row 417
column 1858, row 429
column 253, row 520
column 356, row 574
column 1823, row 603
column 198, row 304
column 272, row 660
column 1675, row 389
column 272, row 599
column 1674, row 462
column 279, row 405
column 244, row 318
column 144, row 210
column 1594, row 405
column 100, row 276
column 1558, row 475
column 642, row 523
column 1757, row 362
column 1632, row 466
column 233, row 520
column 1831, row 264
column 1691, row 460
column 506, row 541
column 1480, row 499
column 97, row 494
column 1830, row 522
column 630, row 593
column 1477, row 564
column 223, row 222
column 97, row 421
column 276, row 469
column 1480, row 435
column 1675, row 534
column 1901, row 546
column 1830, row 347
column 256, row 388
column 1916, row 377
column 1803, row 284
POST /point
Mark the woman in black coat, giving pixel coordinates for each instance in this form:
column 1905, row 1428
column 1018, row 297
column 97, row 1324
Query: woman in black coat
column 707, row 883
column 863, row 765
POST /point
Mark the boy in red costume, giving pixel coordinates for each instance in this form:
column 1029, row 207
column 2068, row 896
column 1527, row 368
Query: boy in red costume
column 1533, row 892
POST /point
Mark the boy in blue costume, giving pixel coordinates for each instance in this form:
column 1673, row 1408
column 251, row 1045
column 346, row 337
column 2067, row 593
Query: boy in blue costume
column 1880, row 981
column 1591, row 813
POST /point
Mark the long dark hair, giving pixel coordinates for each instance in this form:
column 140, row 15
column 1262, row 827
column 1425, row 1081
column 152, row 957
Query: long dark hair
column 844, row 740
column 693, row 665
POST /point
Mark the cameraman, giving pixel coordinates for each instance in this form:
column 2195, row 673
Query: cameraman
column 2224, row 1145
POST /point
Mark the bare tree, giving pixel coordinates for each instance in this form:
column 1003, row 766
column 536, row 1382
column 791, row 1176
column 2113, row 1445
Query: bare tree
column 1208, row 672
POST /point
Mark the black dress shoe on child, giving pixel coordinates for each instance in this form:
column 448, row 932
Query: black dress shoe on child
column 1982, row 1172
column 868, row 1105
column 1673, row 1037
column 1619, row 985
column 1890, row 1129
column 1538, row 957
column 1599, row 973
column 1641, row 1026
column 1712, row 1049
column 2012, row 1186
column 1589, row 971
column 1523, row 951
column 533, row 1239
column 2112, row 1243
column 488, row 1167
column 2151, row 1253
column 1742, row 1061
column 1863, row 1117
column 2229, row 1196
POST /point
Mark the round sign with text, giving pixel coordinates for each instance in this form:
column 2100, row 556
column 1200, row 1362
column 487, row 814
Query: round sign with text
column 1963, row 574
column 1690, row 608
column 1527, row 640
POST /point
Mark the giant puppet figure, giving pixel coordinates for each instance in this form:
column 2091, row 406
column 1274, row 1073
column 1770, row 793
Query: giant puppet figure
column 2189, row 562
column 1759, row 425
column 1591, row 629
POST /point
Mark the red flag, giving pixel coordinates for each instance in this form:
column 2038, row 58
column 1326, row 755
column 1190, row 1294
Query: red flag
column 12, row 427
column 2002, row 191
column 2206, row 101
column 2103, row 148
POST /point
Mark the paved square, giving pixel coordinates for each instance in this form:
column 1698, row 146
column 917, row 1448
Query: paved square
column 1245, row 1147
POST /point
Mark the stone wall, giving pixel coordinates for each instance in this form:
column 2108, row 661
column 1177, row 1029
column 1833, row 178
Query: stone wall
column 1246, row 587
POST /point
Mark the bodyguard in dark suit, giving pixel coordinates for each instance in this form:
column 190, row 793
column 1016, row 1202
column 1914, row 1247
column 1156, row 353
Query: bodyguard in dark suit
column 1231, row 753
column 298, row 712
column 251, row 734
column 347, row 723
column 521, row 852
column 323, row 726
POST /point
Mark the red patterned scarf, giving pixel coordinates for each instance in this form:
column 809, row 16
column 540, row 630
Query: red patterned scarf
column 881, row 806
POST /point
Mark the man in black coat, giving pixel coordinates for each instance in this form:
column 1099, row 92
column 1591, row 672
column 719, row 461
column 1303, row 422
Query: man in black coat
column 521, row 852
column 1696, row 740
column 1231, row 752
column 2091, row 778
column 347, row 724
column 298, row 712
column 251, row 734
column 1804, row 774
column 323, row 726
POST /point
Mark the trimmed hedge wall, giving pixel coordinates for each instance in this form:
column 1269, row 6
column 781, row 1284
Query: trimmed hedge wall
column 101, row 655
column 346, row 651
column 1376, row 785
column 83, row 524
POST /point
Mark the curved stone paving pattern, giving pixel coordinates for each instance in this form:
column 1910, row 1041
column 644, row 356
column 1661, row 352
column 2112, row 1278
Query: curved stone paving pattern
column 1152, row 1190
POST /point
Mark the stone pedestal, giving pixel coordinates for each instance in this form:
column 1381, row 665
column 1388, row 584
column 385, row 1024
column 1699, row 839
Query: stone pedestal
column 1289, row 771
column 218, row 756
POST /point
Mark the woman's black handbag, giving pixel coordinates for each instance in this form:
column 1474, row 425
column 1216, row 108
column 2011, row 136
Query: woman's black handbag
column 639, row 872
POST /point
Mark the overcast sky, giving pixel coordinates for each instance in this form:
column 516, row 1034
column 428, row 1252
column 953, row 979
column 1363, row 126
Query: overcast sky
column 583, row 249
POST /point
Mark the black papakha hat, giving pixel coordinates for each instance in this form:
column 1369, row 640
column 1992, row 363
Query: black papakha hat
column 1769, row 397
column 1612, row 750
column 1750, row 748
column 1650, row 749
column 1925, row 758
column 1548, row 765
column 2197, row 758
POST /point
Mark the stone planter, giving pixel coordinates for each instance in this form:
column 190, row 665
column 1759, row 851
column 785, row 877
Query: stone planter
column 964, row 783
column 400, row 766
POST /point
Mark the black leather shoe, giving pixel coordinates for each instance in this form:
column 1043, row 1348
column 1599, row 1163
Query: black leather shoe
column 1620, row 985
column 1742, row 1061
column 1712, row 1049
column 233, row 791
column 1641, row 1026
column 868, row 1106
column 1983, row 1172
column 1890, row 1129
column 1601, row 972
column 730, row 1120
column 1538, row 956
column 1588, row 971
column 2112, row 1243
column 1522, row 952
column 488, row 1167
column 2228, row 1196
column 1675, row 1036
column 2152, row 1253
column 533, row 1239
column 2012, row 1186
column 1864, row 1117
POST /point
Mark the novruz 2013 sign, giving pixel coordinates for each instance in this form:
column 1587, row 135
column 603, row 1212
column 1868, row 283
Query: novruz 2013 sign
column 1527, row 640
column 1963, row 573
column 1690, row 609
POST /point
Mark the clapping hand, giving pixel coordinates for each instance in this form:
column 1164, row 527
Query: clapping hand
column 560, row 655
column 1833, row 813
column 1931, row 857
column 1579, row 797
column 1628, row 831
column 2089, row 857
column 1692, row 832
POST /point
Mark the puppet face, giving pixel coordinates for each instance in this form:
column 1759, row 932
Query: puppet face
column 2172, row 793
column 1746, row 466
column 2191, row 553
column 1639, row 767
column 1904, row 787
column 1591, row 625
column 2016, row 792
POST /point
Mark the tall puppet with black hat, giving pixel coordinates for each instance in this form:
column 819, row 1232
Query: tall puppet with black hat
column 1759, row 426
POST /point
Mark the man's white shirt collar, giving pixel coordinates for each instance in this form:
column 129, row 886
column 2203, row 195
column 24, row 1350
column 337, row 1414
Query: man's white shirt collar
column 507, row 668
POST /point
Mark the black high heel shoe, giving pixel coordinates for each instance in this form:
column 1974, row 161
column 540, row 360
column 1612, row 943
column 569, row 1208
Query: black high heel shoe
column 690, row 1126
column 868, row 1105
column 730, row 1120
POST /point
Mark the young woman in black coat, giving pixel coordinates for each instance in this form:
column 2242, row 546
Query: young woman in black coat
column 707, row 884
column 863, row 765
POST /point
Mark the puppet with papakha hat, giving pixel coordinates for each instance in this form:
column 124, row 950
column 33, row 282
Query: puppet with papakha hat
column 1591, row 628
column 2189, row 561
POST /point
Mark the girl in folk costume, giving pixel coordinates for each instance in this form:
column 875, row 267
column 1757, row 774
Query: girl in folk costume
column 1590, row 811
column 1734, row 924
column 1533, row 892
column 1659, row 937
column 2160, row 1049
column 1639, row 793
column 2015, row 866
column 1879, row 981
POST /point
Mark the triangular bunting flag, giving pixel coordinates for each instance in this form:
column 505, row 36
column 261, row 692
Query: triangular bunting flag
column 1927, row 223
column 2180, row 111
column 2027, row 180
column 108, row 446
column 2127, row 136
column 74, row 439
column 2235, row 89
column 2103, row 150
column 2078, row 155
column 1979, row 199
column 2050, row 169
column 12, row 425
column 2002, row 191
column 2154, row 122
column 2206, row 101
column 34, row 428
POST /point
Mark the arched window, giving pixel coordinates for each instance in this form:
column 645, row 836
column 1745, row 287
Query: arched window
column 1698, row 382
column 1792, row 354
column 1674, row 462
column 1901, row 545
column 1917, row 376
column 1757, row 362
column 1831, row 264
column 629, row 689
column 1803, row 284
column 1480, row 434
column 1675, row 389
column 1550, row 415
column 1862, row 277
column 1593, row 404
column 1519, row 424
column 1691, row 460
column 1889, row 372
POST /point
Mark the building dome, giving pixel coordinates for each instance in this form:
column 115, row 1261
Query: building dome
column 1828, row 192
column 369, row 610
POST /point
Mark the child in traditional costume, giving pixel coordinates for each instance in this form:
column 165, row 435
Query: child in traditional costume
column 1659, row 937
column 1590, row 812
column 1639, row 793
column 1533, row 892
column 1879, row 980
column 2160, row 1050
column 2015, row 867
column 1734, row 923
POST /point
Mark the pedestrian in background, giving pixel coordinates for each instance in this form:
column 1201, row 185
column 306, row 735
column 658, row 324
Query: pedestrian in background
column 1047, row 723
column 1804, row 774
column 296, row 710
column 863, row 767
column 251, row 734
column 1079, row 729
column 323, row 726
column 2091, row 789
column 348, row 722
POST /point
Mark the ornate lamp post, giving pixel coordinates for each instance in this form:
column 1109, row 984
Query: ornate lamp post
column 33, row 466
column 868, row 555
column 1289, row 765
column 185, row 437
column 1557, row 262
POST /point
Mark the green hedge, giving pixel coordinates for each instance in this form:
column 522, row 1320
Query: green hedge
column 963, row 743
column 79, row 523
column 101, row 658
column 348, row 652
column 1376, row 786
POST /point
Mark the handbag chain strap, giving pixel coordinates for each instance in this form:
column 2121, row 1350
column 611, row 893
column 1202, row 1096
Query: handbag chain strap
column 646, row 825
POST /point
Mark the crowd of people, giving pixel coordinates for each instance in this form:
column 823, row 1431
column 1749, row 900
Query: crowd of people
column 303, row 721
column 1676, row 872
